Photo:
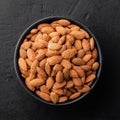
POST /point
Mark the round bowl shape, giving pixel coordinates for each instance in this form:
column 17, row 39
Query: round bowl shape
column 26, row 32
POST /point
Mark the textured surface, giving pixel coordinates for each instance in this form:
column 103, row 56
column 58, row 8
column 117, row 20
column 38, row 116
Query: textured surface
column 102, row 17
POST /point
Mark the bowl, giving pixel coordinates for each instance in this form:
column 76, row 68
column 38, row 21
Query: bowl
column 26, row 32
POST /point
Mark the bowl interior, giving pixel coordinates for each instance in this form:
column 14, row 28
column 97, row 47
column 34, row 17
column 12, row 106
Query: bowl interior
column 26, row 32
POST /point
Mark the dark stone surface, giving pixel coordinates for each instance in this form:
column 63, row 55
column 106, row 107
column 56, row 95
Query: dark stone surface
column 102, row 17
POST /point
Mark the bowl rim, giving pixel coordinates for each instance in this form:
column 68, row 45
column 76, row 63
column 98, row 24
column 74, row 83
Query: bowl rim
column 46, row 20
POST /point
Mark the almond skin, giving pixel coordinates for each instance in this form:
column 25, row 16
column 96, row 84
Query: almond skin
column 43, row 95
column 26, row 45
column 53, row 34
column 22, row 64
column 30, row 54
column 34, row 66
column 23, row 53
column 81, row 53
column 95, row 53
column 86, row 67
column 70, row 39
column 54, row 60
column 43, row 25
column 59, row 91
column 69, row 53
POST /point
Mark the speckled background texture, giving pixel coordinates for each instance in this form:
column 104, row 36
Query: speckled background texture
column 102, row 17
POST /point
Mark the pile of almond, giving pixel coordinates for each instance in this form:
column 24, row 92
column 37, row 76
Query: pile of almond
column 58, row 61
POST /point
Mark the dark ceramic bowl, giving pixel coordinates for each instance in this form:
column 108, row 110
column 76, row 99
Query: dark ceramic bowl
column 16, row 56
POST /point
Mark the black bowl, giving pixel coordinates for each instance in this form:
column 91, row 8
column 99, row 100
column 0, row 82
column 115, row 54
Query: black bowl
column 16, row 56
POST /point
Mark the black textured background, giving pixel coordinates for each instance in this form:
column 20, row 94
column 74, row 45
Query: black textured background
column 102, row 17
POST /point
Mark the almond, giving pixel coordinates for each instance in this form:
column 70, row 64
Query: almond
column 54, row 60
column 55, row 39
column 77, row 82
column 61, row 30
column 68, row 93
column 33, row 66
column 56, row 68
column 54, row 97
column 47, row 68
column 59, row 85
column 53, row 34
column 59, row 77
column 51, row 53
column 81, row 53
column 90, row 62
column 88, row 72
column 40, row 44
column 90, row 78
column 41, row 73
column 29, row 86
column 42, row 63
column 75, row 28
column 38, row 37
column 69, row 53
column 95, row 66
column 22, row 64
column 78, row 34
column 29, row 62
column 92, row 43
column 58, row 91
column 68, row 45
column 70, row 39
column 23, row 53
column 29, row 36
column 26, row 45
column 63, row 99
column 64, row 22
column 66, row 73
column 83, row 79
column 45, row 37
column 86, row 67
column 78, row 44
column 75, row 95
column 68, row 30
column 61, row 40
column 44, row 89
column 37, row 82
column 49, row 82
column 87, row 57
column 34, row 31
column 95, row 53
column 54, row 46
column 79, row 70
column 73, row 73
column 85, row 32
column 43, row 25
column 69, row 84
column 64, row 47
column 47, row 29
column 54, row 25
column 86, row 88
column 43, row 95
column 66, row 64
column 85, row 45
column 78, row 61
